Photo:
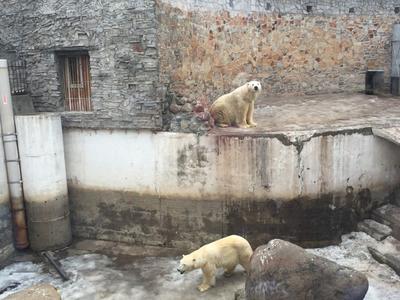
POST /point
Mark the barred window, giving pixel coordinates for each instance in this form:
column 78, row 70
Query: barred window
column 76, row 73
column 17, row 74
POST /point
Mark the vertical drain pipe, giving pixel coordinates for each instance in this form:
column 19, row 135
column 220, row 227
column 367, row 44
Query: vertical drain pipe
column 9, row 139
column 395, row 74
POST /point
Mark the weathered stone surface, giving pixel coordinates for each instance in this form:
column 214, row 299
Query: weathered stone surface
column 389, row 215
column 37, row 292
column 120, row 38
column 388, row 252
column 377, row 230
column 208, row 48
column 139, row 50
column 281, row 270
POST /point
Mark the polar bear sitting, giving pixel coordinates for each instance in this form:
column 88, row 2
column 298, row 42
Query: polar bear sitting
column 224, row 253
column 237, row 107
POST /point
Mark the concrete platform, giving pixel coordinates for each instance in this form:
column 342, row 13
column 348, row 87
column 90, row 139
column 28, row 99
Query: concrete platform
column 391, row 134
column 321, row 113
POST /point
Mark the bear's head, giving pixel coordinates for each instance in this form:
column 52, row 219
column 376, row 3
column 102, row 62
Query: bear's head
column 190, row 262
column 254, row 86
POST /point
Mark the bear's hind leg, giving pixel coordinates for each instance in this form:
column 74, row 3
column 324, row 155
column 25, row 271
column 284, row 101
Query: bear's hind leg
column 244, row 261
column 209, row 271
column 220, row 118
column 228, row 271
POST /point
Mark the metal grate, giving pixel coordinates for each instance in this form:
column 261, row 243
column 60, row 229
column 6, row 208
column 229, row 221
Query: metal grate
column 77, row 83
column 17, row 74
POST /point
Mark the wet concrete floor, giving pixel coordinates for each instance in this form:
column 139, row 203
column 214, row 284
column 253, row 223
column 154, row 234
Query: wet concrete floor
column 108, row 270
column 116, row 271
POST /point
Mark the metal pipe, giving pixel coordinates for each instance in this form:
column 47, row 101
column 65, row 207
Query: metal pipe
column 56, row 265
column 9, row 139
column 395, row 68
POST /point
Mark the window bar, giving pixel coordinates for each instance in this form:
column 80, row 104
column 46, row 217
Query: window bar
column 79, row 77
column 84, row 93
column 67, row 84
column 86, row 83
column 89, row 84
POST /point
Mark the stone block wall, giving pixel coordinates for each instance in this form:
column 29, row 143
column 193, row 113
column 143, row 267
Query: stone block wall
column 158, row 64
column 120, row 38
column 208, row 48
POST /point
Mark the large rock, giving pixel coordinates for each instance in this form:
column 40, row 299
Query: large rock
column 377, row 230
column 282, row 270
column 42, row 291
column 389, row 215
column 387, row 252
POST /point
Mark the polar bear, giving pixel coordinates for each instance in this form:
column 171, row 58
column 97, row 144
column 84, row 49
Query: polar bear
column 237, row 107
column 224, row 253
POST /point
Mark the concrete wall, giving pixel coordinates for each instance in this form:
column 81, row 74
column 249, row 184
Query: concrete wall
column 6, row 243
column 120, row 37
column 182, row 190
column 208, row 48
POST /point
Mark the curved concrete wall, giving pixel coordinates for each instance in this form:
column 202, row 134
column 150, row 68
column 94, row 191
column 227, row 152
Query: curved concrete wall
column 182, row 190
column 41, row 148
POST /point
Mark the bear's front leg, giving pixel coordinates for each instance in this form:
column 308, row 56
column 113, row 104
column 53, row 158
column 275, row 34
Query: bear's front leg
column 249, row 117
column 242, row 116
column 208, row 277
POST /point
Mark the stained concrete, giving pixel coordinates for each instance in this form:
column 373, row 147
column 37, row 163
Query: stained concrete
column 6, row 243
column 187, row 224
column 182, row 190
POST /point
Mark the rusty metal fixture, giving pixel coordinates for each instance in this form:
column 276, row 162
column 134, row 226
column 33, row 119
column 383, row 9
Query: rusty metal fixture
column 56, row 265
column 9, row 139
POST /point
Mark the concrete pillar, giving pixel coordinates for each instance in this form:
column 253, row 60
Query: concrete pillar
column 41, row 147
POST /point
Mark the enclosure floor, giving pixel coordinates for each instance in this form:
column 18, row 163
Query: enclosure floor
column 104, row 270
column 321, row 113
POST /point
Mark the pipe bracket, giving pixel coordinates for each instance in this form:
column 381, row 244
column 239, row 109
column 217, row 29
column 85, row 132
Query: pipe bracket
column 15, row 182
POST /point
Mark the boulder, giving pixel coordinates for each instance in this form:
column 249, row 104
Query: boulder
column 389, row 215
column 42, row 291
column 377, row 230
column 387, row 252
column 282, row 270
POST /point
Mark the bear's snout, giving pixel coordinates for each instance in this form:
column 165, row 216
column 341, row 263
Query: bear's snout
column 180, row 271
column 256, row 88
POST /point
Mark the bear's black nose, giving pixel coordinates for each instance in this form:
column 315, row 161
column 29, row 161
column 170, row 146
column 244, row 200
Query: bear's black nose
column 256, row 88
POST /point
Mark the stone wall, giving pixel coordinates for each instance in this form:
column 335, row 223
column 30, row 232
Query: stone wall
column 159, row 63
column 207, row 48
column 119, row 36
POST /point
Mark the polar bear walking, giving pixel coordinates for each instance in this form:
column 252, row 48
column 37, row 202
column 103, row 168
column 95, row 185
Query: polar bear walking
column 224, row 253
column 237, row 107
